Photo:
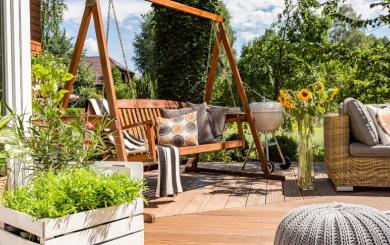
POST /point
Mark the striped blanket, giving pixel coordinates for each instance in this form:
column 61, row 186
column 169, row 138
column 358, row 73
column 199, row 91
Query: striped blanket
column 168, row 181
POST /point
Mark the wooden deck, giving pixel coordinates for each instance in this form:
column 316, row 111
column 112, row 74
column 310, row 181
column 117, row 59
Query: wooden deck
column 217, row 209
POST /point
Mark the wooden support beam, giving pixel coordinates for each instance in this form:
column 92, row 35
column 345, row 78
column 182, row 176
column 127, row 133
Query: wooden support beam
column 78, row 50
column 187, row 9
column 213, row 69
column 243, row 97
column 108, row 81
column 92, row 9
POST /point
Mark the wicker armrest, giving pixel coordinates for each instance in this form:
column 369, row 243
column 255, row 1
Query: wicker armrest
column 336, row 134
column 336, row 140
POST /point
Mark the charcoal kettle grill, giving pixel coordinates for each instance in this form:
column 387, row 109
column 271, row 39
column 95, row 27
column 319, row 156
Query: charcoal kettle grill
column 268, row 117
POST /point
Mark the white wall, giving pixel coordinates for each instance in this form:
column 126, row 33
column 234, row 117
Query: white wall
column 17, row 48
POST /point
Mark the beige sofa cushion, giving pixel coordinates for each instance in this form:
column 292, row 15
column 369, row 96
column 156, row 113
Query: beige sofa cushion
column 358, row 149
column 383, row 136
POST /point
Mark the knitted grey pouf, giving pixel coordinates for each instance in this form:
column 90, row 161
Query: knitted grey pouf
column 334, row 224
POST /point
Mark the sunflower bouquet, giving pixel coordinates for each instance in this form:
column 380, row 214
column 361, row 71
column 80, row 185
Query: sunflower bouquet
column 305, row 107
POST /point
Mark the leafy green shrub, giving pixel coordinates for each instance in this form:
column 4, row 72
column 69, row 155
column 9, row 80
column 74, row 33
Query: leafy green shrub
column 236, row 155
column 288, row 145
column 51, row 142
column 53, row 195
column 318, row 152
column 84, row 85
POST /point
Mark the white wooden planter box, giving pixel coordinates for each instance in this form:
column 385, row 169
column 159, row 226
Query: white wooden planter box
column 116, row 225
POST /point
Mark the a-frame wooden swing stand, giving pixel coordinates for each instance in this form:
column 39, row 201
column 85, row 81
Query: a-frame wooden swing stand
column 92, row 9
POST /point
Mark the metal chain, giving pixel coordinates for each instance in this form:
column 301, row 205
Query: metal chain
column 207, row 62
column 119, row 34
column 108, row 20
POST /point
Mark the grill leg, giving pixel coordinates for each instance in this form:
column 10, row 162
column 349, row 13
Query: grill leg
column 279, row 150
column 247, row 155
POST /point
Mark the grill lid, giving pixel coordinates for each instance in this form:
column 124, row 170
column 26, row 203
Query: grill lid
column 266, row 107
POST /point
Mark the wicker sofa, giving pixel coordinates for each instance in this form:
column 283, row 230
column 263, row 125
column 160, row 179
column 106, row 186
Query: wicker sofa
column 346, row 170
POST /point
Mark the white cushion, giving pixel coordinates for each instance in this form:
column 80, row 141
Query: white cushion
column 383, row 136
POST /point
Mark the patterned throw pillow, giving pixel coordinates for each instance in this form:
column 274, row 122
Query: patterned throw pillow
column 178, row 131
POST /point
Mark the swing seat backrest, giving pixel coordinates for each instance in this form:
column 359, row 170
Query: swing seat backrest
column 137, row 111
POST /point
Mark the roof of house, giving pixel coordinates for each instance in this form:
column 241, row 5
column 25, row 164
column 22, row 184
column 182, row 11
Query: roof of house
column 94, row 61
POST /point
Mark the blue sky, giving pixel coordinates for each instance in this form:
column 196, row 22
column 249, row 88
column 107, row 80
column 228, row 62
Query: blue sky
column 249, row 19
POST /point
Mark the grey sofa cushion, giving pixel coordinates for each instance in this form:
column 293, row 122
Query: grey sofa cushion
column 359, row 149
column 205, row 136
column 362, row 126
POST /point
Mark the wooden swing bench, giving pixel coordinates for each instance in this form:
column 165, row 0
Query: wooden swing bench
column 129, row 115
column 138, row 113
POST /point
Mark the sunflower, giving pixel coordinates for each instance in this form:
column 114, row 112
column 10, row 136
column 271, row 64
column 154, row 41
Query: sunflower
column 319, row 86
column 288, row 104
column 334, row 92
column 283, row 96
column 305, row 95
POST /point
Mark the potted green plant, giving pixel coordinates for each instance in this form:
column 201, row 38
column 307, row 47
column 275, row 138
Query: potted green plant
column 69, row 199
column 74, row 206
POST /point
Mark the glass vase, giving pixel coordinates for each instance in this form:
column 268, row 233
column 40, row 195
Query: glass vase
column 305, row 165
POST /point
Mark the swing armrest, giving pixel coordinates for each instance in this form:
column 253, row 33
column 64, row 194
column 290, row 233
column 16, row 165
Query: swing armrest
column 235, row 118
column 150, row 135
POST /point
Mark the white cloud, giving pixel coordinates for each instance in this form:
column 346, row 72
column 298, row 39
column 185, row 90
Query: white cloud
column 91, row 46
column 251, row 17
column 124, row 9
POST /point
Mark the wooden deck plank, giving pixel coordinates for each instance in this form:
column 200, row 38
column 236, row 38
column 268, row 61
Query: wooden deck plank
column 208, row 238
column 183, row 199
column 290, row 186
column 274, row 192
column 257, row 193
column 200, row 200
column 240, row 194
column 220, row 196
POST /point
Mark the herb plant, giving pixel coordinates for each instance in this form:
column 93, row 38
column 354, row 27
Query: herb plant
column 70, row 191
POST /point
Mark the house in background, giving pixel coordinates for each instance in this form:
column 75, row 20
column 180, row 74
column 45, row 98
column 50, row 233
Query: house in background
column 94, row 61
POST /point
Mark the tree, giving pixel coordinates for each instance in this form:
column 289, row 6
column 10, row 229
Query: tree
column 144, row 44
column 163, row 49
column 84, row 86
column 383, row 19
column 286, row 55
column 52, row 12
column 306, row 45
